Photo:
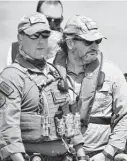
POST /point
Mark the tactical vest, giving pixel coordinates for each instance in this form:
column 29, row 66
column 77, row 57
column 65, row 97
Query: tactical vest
column 41, row 127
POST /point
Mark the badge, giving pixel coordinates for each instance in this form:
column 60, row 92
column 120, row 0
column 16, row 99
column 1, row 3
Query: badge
column 91, row 25
column 2, row 99
column 37, row 19
column 5, row 88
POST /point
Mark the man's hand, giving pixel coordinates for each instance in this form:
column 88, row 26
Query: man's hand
column 120, row 157
column 99, row 157
column 17, row 157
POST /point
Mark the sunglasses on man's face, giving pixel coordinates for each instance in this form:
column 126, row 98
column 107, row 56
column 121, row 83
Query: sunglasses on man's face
column 44, row 35
column 88, row 43
column 56, row 21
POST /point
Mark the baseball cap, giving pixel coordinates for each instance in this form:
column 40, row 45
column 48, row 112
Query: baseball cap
column 83, row 27
column 33, row 23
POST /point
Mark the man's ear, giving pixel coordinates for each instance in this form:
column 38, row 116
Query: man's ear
column 70, row 43
column 61, row 19
column 20, row 38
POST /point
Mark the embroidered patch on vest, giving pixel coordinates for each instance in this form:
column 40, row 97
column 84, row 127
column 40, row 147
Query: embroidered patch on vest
column 2, row 99
column 5, row 88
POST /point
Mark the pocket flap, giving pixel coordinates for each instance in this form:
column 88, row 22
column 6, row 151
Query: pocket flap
column 58, row 97
column 105, row 87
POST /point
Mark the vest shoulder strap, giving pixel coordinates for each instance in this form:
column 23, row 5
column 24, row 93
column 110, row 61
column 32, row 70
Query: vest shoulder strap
column 88, row 89
column 18, row 67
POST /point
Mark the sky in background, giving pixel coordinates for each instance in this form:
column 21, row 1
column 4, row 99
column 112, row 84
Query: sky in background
column 109, row 15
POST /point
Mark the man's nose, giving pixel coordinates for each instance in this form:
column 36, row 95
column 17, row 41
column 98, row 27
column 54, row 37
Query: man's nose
column 41, row 39
column 52, row 24
column 94, row 45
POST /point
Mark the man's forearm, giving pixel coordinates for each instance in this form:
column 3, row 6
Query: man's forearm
column 111, row 150
column 17, row 157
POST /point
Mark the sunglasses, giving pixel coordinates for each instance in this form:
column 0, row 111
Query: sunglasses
column 57, row 21
column 44, row 35
column 88, row 43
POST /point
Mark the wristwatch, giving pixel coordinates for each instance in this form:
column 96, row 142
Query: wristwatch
column 107, row 155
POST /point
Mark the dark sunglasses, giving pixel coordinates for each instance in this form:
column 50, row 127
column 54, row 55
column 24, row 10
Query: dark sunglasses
column 88, row 43
column 55, row 20
column 44, row 35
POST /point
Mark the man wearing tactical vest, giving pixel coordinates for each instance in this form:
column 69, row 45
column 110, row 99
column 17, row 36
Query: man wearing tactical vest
column 35, row 108
column 99, row 87
column 53, row 10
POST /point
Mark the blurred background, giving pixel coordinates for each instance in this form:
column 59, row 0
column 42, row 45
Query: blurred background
column 109, row 15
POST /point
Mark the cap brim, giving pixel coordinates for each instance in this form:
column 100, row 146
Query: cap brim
column 92, row 36
column 37, row 28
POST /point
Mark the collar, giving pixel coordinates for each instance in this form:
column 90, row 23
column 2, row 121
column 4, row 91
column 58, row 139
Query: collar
column 70, row 71
column 29, row 66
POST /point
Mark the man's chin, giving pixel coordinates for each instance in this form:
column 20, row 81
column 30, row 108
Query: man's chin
column 86, row 62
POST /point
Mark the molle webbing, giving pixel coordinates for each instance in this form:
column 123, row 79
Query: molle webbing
column 50, row 99
column 39, row 127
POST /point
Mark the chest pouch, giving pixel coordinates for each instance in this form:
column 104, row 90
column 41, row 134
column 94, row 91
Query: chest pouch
column 67, row 120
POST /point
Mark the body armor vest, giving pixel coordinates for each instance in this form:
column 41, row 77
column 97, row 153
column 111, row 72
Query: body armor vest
column 40, row 127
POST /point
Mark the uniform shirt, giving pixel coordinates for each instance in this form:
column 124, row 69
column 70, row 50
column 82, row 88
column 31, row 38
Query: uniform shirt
column 111, row 97
column 23, row 97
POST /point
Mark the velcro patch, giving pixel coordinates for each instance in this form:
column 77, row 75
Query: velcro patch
column 5, row 88
column 37, row 19
column 2, row 99
column 91, row 25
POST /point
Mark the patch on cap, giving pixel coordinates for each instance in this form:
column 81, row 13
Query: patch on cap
column 37, row 18
column 87, row 24
column 91, row 25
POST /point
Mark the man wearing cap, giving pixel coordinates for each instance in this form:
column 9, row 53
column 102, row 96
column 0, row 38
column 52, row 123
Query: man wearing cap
column 98, row 86
column 53, row 10
column 30, row 97
column 33, row 33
